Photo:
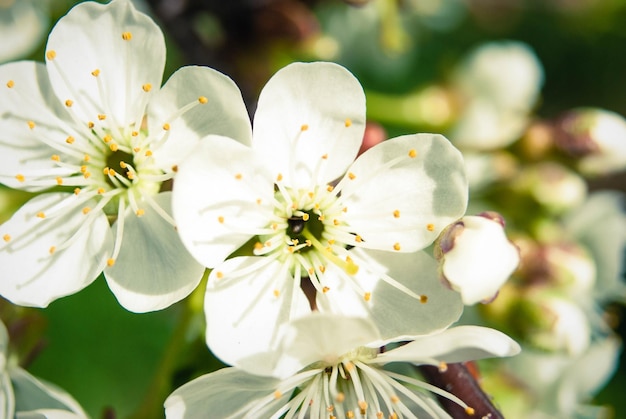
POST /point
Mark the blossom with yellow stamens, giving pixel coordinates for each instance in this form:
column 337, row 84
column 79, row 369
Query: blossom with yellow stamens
column 89, row 120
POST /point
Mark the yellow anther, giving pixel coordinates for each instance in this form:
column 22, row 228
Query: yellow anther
column 363, row 406
column 31, row 124
column 394, row 399
column 330, row 188
column 41, row 215
column 470, row 411
column 396, row 214
column 325, row 290
column 10, row 84
column 258, row 246
column 106, row 171
column 87, row 175
column 311, row 271
column 321, row 218
column 113, row 147
column 220, row 219
column 6, row 238
column 394, row 415
column 146, row 87
column 90, row 125
column 166, row 126
column 107, row 138
column 443, row 367
column 305, row 217
column 430, row 227
column 276, row 293
column 112, row 172
column 20, row 178
column 69, row 103
column 340, row 397
column 259, row 201
column 396, row 246
column 96, row 72
column 148, row 153
column 51, row 54
column 56, row 157
column 380, row 415
column 86, row 158
column 219, row 274
column 278, row 394
column 412, row 153
column 127, row 36
column 59, row 180
column 100, row 191
column 331, row 242
column 336, row 222
column 134, row 134
column 304, row 127
column 279, row 177
column 268, row 243
column 174, row 168
column 86, row 210
column 423, row 299
column 351, row 175
column 347, row 122
column 130, row 175
column 123, row 165
column 238, row 176
column 308, row 243
column 358, row 238
column 52, row 249
column 367, row 296
column 203, row 100
column 70, row 140
column 350, row 414
column 83, row 169
column 111, row 262
column 311, row 194
column 325, row 156
column 140, row 212
column 274, row 226
column 102, row 117
column 76, row 191
column 322, row 268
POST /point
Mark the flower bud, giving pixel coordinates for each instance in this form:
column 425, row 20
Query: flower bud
column 596, row 136
column 476, row 257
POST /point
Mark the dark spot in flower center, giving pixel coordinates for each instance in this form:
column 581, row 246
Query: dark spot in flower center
column 296, row 225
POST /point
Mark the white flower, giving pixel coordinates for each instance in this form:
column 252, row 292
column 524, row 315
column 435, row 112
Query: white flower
column 23, row 25
column 93, row 124
column 22, row 395
column 330, row 370
column 499, row 82
column 348, row 231
column 476, row 256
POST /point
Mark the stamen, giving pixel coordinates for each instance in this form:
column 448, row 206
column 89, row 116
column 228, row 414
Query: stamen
column 10, row 84
column 20, row 178
column 127, row 36
column 146, row 87
column 348, row 122
column 412, row 153
column 430, row 227
column 31, row 124
column 69, row 103
column 51, row 54
column 6, row 238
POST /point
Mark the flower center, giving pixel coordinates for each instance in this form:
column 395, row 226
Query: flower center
column 119, row 162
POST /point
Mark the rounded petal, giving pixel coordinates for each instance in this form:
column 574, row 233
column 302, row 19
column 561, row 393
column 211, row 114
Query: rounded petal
column 47, row 258
column 34, row 127
column 396, row 313
column 153, row 269
column 401, row 193
column 322, row 337
column 124, row 47
column 225, row 394
column 457, row 344
column 33, row 394
column 224, row 112
column 247, row 301
column 222, row 197
column 307, row 111
column 481, row 259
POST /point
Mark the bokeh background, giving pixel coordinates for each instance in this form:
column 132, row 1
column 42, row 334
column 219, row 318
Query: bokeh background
column 406, row 54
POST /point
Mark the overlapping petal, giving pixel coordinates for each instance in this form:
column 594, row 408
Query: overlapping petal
column 52, row 248
column 224, row 113
column 125, row 49
column 223, row 196
column 33, row 122
column 153, row 270
column 401, row 193
column 309, row 122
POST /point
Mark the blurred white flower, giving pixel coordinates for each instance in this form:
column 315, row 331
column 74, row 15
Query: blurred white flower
column 93, row 124
column 498, row 83
column 25, row 396
column 23, row 25
column 328, row 368
column 476, row 257
column 312, row 215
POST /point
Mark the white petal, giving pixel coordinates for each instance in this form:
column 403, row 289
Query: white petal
column 32, row 393
column 32, row 276
column 220, row 395
column 396, row 314
column 322, row 337
column 23, row 25
column 222, row 197
column 153, row 269
column 481, row 259
column 48, row 414
column 91, row 37
column 457, row 344
column 247, row 301
column 7, row 400
column 307, row 111
column 24, row 150
column 223, row 114
column 428, row 191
